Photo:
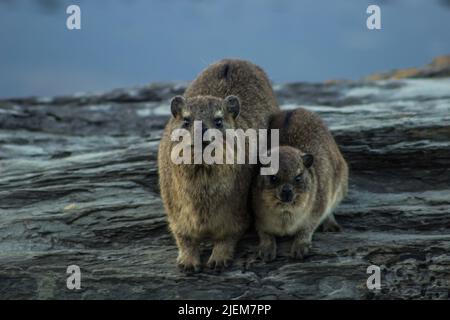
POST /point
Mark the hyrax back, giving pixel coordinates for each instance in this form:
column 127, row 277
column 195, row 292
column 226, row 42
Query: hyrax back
column 243, row 79
column 311, row 181
column 211, row 201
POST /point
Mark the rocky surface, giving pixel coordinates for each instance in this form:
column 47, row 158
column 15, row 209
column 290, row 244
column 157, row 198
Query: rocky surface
column 78, row 185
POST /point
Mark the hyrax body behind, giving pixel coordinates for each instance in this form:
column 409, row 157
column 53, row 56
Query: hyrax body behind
column 310, row 183
column 211, row 201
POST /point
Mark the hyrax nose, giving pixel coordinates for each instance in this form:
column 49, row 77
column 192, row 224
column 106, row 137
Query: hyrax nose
column 286, row 194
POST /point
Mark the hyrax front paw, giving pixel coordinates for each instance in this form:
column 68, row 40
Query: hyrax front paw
column 300, row 249
column 222, row 255
column 189, row 264
column 330, row 225
column 219, row 263
column 267, row 252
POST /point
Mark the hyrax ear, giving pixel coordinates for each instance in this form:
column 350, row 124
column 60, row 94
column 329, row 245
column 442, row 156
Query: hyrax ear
column 308, row 160
column 176, row 105
column 233, row 105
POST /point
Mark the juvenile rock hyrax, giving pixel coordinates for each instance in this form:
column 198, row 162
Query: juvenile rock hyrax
column 211, row 201
column 310, row 183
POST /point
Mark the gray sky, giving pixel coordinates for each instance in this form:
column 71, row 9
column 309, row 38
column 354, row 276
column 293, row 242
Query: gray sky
column 134, row 42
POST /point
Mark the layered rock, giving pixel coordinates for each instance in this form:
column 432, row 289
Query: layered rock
column 78, row 185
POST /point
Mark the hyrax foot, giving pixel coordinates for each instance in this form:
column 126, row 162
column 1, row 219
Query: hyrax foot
column 188, row 254
column 330, row 225
column 189, row 264
column 219, row 263
column 300, row 249
column 267, row 252
column 222, row 255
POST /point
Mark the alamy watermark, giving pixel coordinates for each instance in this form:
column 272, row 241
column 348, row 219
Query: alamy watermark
column 73, row 21
column 373, row 22
column 374, row 280
column 210, row 147
column 74, row 280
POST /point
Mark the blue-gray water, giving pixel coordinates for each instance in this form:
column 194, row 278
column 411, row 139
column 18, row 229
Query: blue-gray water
column 134, row 42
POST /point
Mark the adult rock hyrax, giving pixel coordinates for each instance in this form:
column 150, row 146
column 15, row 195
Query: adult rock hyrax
column 210, row 202
column 311, row 181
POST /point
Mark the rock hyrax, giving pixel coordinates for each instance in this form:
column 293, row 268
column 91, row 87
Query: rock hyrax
column 310, row 183
column 211, row 201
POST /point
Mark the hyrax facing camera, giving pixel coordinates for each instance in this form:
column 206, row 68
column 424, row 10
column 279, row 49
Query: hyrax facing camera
column 311, row 181
column 210, row 202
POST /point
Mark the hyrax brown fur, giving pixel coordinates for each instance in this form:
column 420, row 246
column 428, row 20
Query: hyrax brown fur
column 211, row 201
column 311, row 181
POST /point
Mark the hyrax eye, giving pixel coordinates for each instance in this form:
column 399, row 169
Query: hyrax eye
column 186, row 122
column 298, row 178
column 218, row 123
column 273, row 179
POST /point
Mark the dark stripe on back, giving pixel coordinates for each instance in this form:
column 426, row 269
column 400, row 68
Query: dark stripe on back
column 226, row 72
column 287, row 118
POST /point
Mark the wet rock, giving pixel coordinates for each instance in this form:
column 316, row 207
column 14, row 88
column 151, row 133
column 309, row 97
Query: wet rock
column 78, row 185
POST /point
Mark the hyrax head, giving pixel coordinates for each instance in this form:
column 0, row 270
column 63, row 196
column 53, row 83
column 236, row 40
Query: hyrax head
column 292, row 180
column 212, row 112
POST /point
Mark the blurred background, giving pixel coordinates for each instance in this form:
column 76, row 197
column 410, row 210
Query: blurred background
column 134, row 42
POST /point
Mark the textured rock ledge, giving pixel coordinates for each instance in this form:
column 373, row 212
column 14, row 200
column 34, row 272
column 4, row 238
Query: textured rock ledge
column 78, row 185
